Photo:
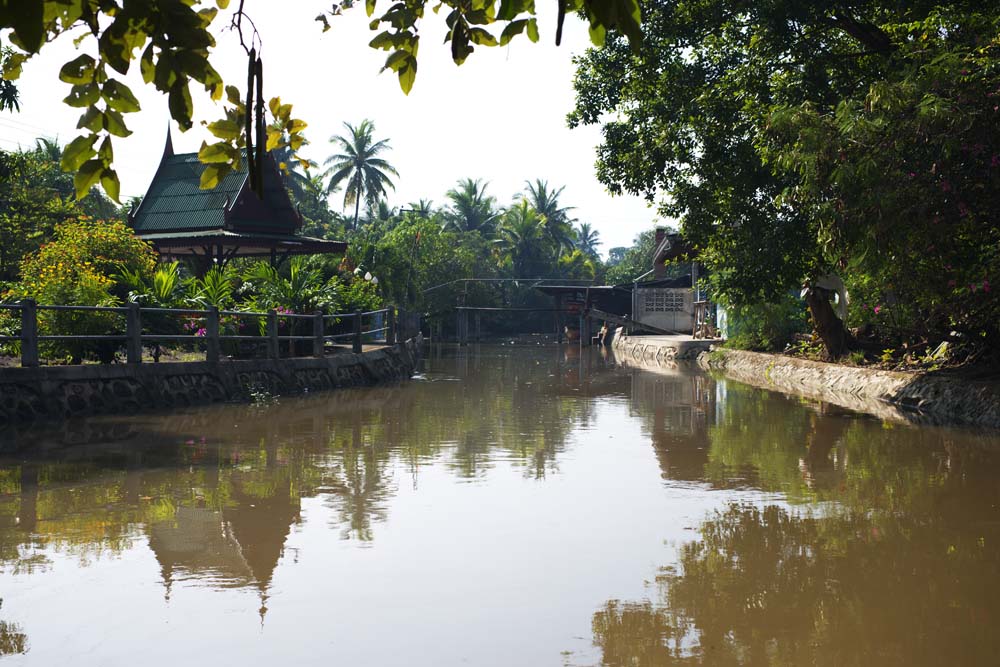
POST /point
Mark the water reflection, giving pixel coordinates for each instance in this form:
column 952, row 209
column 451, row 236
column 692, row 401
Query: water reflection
column 822, row 537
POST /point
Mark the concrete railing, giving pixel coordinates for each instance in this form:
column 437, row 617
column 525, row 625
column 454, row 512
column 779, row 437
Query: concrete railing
column 134, row 338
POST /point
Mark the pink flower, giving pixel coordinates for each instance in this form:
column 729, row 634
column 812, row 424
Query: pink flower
column 878, row 308
column 202, row 332
column 995, row 160
column 972, row 288
column 986, row 286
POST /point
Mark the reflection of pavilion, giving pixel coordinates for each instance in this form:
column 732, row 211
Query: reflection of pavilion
column 239, row 546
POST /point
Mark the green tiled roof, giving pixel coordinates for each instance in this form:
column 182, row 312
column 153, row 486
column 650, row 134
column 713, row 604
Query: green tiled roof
column 175, row 201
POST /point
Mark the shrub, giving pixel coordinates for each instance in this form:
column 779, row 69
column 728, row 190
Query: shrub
column 767, row 326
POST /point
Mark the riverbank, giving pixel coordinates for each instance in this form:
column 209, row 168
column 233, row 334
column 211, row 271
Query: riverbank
column 891, row 395
column 30, row 394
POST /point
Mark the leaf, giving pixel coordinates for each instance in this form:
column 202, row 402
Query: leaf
column 120, row 97
column 87, row 177
column 218, row 153
column 115, row 124
column 79, row 70
column 92, row 119
column 77, row 152
column 234, row 96
column 482, row 37
column 180, row 105
column 513, row 28
column 297, row 125
column 146, row 66
column 27, row 18
column 83, row 95
column 222, row 4
column 213, row 174
column 370, row 7
column 12, row 66
column 407, row 75
column 228, row 130
column 273, row 105
column 273, row 140
column 106, row 152
column 111, row 185
column 533, row 30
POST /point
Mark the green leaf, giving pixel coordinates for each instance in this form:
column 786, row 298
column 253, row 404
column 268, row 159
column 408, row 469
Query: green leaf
column 220, row 152
column 513, row 28
column 227, row 130
column 79, row 70
column 109, row 180
column 115, row 124
column 120, row 97
column 222, row 4
column 370, row 7
column 27, row 18
column 180, row 105
column 77, row 152
column 408, row 74
column 92, row 119
column 213, row 174
column 106, row 152
column 83, row 95
column 482, row 37
column 87, row 177
column 146, row 66
column 12, row 66
column 533, row 30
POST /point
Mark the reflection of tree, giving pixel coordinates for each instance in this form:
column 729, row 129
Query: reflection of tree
column 766, row 586
column 12, row 640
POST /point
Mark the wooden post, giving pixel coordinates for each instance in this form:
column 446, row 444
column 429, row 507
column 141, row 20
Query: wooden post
column 212, row 336
column 356, row 347
column 273, row 351
column 319, row 334
column 479, row 326
column 390, row 324
column 133, row 333
column 558, row 319
column 29, row 333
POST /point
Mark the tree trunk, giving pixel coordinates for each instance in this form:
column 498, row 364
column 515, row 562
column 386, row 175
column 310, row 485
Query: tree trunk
column 357, row 210
column 836, row 338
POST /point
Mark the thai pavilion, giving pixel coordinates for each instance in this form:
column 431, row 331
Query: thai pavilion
column 181, row 220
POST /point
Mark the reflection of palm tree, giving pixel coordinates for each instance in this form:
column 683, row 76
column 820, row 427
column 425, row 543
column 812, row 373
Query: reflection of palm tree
column 358, row 165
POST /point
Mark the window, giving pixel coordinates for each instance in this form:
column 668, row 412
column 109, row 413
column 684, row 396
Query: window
column 663, row 301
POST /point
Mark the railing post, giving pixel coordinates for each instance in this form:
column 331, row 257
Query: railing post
column 273, row 351
column 390, row 326
column 212, row 336
column 29, row 333
column 319, row 332
column 357, row 332
column 133, row 334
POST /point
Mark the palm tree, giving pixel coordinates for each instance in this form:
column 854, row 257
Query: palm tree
column 366, row 174
column 472, row 210
column 587, row 239
column 423, row 208
column 520, row 237
column 558, row 224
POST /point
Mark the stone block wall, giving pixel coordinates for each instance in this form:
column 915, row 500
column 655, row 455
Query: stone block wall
column 29, row 394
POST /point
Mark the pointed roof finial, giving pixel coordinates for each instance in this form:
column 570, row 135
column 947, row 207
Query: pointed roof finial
column 168, row 149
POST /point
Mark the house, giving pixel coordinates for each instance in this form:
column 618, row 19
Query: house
column 181, row 220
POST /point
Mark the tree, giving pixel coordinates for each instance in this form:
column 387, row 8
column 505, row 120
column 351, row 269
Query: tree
column 172, row 41
column 587, row 239
column 521, row 241
column 471, row 209
column 692, row 114
column 365, row 175
column 558, row 224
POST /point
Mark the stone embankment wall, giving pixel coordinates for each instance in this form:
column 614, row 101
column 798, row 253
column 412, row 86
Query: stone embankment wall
column 658, row 349
column 910, row 397
column 28, row 394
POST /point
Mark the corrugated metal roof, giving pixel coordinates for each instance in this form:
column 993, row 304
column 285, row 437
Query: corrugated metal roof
column 175, row 200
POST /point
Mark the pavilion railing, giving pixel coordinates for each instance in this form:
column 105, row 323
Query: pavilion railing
column 312, row 332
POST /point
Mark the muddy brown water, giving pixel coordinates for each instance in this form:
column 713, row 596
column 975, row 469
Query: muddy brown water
column 508, row 506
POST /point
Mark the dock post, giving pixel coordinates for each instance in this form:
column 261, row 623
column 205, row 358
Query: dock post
column 390, row 326
column 133, row 334
column 29, row 333
column 273, row 349
column 319, row 333
column 479, row 326
column 212, row 336
column 356, row 341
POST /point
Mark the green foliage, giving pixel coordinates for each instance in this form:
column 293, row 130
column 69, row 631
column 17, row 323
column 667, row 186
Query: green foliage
column 797, row 139
column 171, row 41
column 365, row 175
column 767, row 326
column 633, row 262
column 303, row 289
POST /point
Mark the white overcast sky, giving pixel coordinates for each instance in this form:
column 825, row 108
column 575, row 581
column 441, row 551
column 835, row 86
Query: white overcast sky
column 499, row 117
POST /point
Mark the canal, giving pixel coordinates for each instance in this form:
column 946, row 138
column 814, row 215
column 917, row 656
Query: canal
column 508, row 506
